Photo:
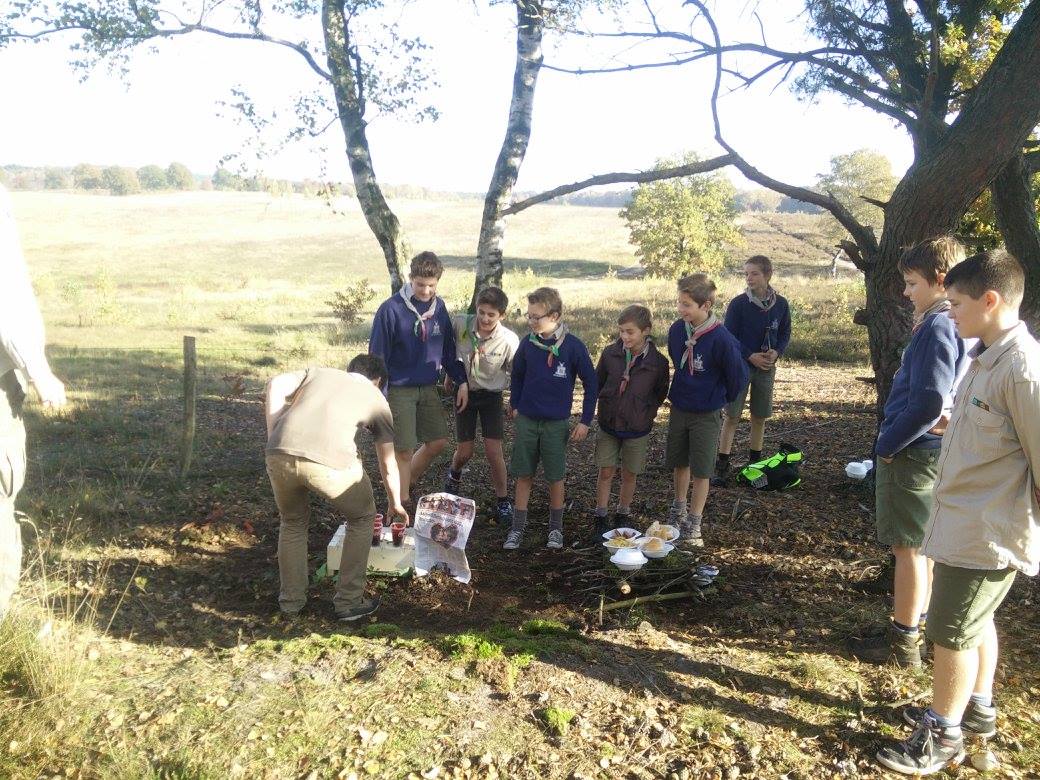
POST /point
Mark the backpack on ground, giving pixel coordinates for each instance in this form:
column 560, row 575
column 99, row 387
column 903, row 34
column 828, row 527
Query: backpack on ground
column 778, row 472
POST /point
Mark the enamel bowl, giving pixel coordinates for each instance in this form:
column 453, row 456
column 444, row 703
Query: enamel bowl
column 628, row 559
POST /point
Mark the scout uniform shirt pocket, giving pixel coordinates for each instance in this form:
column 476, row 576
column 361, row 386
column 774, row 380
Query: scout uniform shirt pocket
column 990, row 432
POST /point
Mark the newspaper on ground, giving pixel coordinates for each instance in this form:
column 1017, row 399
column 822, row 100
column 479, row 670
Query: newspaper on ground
column 442, row 525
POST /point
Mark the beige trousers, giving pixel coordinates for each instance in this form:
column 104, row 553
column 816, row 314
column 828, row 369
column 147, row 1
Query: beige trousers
column 293, row 479
column 12, row 476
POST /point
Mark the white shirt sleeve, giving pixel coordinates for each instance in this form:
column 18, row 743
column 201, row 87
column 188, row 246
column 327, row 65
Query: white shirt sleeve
column 21, row 325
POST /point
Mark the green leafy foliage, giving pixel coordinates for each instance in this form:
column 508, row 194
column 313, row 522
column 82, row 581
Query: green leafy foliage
column 152, row 177
column 87, row 177
column 682, row 225
column 348, row 304
column 120, row 181
column 864, row 173
column 179, row 177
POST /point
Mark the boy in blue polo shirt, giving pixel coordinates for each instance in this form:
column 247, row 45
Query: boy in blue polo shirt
column 413, row 333
column 709, row 372
column 541, row 394
column 761, row 321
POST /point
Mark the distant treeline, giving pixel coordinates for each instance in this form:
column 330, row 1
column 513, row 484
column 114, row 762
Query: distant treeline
column 120, row 180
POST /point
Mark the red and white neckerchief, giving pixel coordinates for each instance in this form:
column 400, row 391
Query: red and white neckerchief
column 692, row 335
column 630, row 363
column 419, row 328
column 476, row 341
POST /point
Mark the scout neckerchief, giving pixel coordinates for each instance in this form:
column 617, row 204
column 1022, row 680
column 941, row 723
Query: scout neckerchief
column 475, row 339
column 765, row 304
column 935, row 308
column 693, row 334
column 419, row 328
column 557, row 337
column 630, row 363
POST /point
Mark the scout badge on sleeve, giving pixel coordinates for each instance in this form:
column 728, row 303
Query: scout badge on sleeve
column 778, row 472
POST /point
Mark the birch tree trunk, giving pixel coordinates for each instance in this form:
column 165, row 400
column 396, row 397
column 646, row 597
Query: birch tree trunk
column 1016, row 216
column 530, row 24
column 345, row 67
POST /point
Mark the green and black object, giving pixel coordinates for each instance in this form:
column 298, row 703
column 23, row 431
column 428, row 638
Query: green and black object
column 777, row 472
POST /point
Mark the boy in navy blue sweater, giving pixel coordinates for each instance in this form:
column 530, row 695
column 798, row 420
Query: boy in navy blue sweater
column 541, row 394
column 907, row 449
column 708, row 373
column 761, row 321
column 413, row 333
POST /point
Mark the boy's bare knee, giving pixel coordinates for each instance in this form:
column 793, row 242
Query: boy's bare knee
column 436, row 447
column 606, row 472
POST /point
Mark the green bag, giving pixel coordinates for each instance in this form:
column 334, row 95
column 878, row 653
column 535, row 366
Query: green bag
column 778, row 472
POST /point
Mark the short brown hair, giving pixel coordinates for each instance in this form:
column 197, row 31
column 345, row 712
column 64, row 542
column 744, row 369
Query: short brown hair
column 426, row 265
column 547, row 297
column 370, row 367
column 765, row 265
column 494, row 297
column 932, row 257
column 699, row 287
column 637, row 315
column 994, row 270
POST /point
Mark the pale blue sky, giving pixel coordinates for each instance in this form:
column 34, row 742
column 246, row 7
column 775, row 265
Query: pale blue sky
column 583, row 125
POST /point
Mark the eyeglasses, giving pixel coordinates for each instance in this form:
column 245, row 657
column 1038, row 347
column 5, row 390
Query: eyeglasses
column 533, row 318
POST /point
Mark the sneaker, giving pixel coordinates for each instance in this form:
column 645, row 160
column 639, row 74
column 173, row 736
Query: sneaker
column 504, row 512
column 555, row 540
column 978, row 721
column 893, row 647
column 513, row 539
column 452, row 484
column 600, row 526
column 722, row 472
column 366, row 607
column 929, row 749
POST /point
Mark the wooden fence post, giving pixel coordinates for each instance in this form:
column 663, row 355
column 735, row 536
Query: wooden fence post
column 190, row 387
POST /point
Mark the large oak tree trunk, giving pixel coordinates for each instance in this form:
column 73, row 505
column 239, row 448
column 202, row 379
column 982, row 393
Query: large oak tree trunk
column 346, row 83
column 942, row 184
column 530, row 24
column 1015, row 208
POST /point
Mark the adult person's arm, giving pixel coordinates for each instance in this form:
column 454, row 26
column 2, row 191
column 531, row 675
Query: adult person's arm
column 21, row 325
column 391, row 478
column 277, row 396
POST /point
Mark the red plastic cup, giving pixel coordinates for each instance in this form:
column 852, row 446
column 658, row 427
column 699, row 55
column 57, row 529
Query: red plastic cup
column 397, row 532
column 382, row 520
column 377, row 530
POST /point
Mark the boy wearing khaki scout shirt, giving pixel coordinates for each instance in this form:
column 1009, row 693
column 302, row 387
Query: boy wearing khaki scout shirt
column 985, row 521
column 486, row 348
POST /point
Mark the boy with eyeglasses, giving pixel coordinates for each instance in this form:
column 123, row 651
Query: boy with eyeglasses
column 545, row 368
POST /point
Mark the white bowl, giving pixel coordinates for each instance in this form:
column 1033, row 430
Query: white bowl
column 868, row 464
column 629, row 533
column 629, row 559
column 673, row 533
column 667, row 548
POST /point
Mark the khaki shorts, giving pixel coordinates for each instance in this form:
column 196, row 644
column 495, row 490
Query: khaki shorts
column 631, row 452
column 693, row 440
column 903, row 496
column 418, row 416
column 761, row 387
column 537, row 441
column 963, row 603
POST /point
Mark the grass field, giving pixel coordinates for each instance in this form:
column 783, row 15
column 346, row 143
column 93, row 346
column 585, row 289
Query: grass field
column 146, row 643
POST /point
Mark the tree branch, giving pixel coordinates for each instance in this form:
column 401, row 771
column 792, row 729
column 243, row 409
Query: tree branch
column 637, row 177
column 1031, row 163
column 863, row 236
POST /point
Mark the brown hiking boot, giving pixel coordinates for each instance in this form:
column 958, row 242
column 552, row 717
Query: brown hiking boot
column 893, row 647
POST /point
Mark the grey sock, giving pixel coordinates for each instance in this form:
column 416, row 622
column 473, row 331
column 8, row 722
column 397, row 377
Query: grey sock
column 601, row 511
column 679, row 506
column 519, row 520
column 556, row 519
column 624, row 510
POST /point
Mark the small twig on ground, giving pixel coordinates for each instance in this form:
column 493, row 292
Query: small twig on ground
column 644, row 599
